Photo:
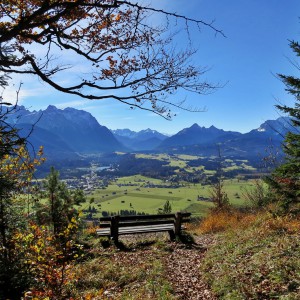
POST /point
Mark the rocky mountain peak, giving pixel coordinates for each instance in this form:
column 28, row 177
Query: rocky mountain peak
column 51, row 108
column 195, row 126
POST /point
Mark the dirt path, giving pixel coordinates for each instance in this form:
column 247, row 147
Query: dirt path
column 183, row 270
column 180, row 269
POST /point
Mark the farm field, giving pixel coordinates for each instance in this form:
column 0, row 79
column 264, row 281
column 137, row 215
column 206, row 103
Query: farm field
column 148, row 195
column 182, row 161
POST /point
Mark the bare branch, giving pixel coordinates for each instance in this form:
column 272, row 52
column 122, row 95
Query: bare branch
column 131, row 60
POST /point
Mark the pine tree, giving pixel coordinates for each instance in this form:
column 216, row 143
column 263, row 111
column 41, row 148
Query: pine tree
column 285, row 180
column 167, row 209
column 61, row 202
column 217, row 193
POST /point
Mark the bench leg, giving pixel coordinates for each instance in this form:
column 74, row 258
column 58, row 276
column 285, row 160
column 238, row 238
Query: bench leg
column 172, row 235
column 178, row 219
column 114, row 230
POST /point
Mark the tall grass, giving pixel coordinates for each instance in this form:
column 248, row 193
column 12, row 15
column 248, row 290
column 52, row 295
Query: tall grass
column 256, row 257
column 219, row 221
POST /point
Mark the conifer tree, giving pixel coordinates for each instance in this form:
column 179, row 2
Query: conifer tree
column 167, row 209
column 285, row 180
column 61, row 201
column 217, row 193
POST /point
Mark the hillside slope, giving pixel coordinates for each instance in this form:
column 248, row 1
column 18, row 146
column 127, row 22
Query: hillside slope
column 66, row 131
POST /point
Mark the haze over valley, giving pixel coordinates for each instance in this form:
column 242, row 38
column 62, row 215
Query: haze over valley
column 74, row 138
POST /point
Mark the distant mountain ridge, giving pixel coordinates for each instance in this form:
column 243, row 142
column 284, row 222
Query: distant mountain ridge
column 78, row 130
column 147, row 139
column 205, row 141
column 68, row 133
column 196, row 135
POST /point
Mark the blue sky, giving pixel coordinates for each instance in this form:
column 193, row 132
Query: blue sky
column 245, row 62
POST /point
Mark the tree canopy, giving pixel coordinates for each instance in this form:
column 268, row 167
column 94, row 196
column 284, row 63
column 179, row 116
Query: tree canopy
column 285, row 180
column 125, row 56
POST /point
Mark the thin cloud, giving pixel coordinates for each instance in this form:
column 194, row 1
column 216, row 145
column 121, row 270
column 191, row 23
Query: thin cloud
column 15, row 94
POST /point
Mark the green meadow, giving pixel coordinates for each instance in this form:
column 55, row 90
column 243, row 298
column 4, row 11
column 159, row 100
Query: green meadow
column 148, row 195
column 182, row 160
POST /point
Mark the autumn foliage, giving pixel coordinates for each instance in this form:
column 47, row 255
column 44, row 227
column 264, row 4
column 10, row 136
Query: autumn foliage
column 129, row 59
column 49, row 261
column 16, row 171
column 222, row 220
column 33, row 259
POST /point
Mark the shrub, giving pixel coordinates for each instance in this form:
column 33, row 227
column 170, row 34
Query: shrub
column 218, row 221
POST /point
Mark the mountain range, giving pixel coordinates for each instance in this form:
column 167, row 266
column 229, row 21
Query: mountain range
column 147, row 139
column 64, row 133
column 68, row 133
column 206, row 141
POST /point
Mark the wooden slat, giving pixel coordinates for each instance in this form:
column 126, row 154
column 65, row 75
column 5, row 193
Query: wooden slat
column 144, row 229
column 103, row 232
column 145, row 223
column 137, row 217
column 136, row 229
column 137, row 223
column 154, row 217
column 145, row 217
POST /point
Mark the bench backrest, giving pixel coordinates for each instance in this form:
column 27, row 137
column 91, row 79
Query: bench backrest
column 115, row 222
column 145, row 223
column 185, row 217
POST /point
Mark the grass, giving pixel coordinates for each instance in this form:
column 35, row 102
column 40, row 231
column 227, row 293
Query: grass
column 136, row 192
column 202, row 208
column 256, row 257
column 133, row 193
column 136, row 273
column 188, row 157
column 181, row 161
column 153, row 156
column 220, row 221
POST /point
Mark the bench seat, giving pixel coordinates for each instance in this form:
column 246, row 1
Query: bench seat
column 137, row 229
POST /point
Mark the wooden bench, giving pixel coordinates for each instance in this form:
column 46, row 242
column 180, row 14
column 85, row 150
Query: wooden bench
column 120, row 225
